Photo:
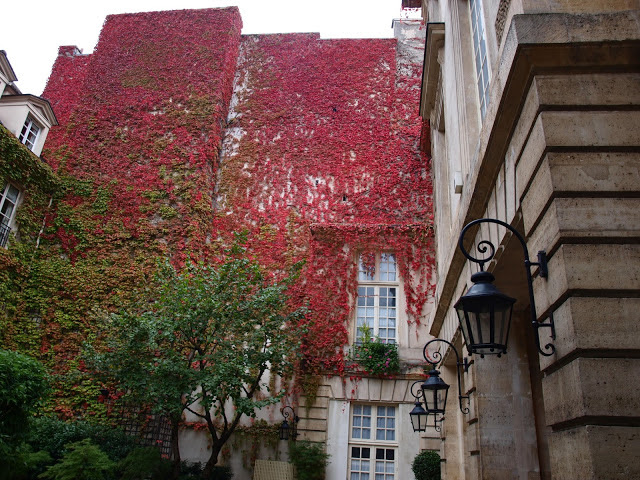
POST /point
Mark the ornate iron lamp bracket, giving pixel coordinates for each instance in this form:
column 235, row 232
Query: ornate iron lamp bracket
column 485, row 246
column 438, row 358
column 289, row 414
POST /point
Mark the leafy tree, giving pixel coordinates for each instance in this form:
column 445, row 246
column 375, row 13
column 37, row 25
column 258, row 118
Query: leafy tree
column 23, row 383
column 205, row 343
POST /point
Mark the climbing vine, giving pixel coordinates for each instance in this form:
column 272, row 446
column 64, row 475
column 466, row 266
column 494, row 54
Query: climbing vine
column 177, row 132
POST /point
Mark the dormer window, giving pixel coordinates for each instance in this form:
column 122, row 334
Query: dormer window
column 29, row 118
column 29, row 133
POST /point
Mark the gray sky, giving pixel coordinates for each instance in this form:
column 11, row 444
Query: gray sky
column 31, row 36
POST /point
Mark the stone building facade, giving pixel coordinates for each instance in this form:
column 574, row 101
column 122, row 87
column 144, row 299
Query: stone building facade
column 534, row 113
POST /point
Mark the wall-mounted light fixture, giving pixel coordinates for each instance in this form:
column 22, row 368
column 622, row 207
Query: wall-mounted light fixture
column 433, row 391
column 289, row 427
column 484, row 312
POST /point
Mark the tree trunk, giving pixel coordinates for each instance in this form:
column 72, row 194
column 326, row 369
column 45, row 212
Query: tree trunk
column 175, row 447
column 213, row 460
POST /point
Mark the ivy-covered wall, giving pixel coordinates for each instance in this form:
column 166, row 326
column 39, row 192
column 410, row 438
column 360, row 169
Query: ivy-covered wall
column 178, row 131
column 321, row 160
column 38, row 185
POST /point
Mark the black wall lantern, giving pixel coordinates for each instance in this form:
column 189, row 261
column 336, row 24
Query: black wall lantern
column 434, row 391
column 418, row 415
column 484, row 312
column 289, row 427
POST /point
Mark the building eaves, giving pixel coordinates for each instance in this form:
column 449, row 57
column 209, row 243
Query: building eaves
column 40, row 102
column 6, row 67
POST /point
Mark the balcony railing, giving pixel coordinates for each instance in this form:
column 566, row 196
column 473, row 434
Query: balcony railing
column 5, row 230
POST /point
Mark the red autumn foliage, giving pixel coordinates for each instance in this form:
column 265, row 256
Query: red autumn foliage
column 320, row 157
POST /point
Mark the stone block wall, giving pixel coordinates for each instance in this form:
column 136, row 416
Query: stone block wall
column 557, row 157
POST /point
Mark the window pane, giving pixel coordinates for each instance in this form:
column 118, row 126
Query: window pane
column 7, row 208
column 12, row 193
column 480, row 53
column 385, row 424
column 485, row 75
column 361, row 422
column 366, row 267
column 387, row 267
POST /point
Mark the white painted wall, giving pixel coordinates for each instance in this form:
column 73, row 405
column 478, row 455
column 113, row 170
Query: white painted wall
column 338, row 439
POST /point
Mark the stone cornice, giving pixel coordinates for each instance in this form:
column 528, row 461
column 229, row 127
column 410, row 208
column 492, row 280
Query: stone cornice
column 431, row 69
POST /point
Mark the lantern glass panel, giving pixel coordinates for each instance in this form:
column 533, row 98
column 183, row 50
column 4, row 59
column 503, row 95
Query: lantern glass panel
column 435, row 395
column 418, row 418
column 485, row 321
column 284, row 431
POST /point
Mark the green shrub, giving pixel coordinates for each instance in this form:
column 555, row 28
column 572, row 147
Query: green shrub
column 426, row 465
column 221, row 473
column 82, row 461
column 53, row 435
column 309, row 459
column 144, row 464
column 23, row 464
column 22, row 384
column 374, row 356
column 193, row 471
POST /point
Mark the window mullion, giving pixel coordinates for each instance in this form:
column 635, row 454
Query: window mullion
column 376, row 318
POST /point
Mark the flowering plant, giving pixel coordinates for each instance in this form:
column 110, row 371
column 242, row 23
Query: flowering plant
column 375, row 357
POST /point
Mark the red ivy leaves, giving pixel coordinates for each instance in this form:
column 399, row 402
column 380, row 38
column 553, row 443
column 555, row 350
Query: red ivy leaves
column 325, row 133
column 320, row 158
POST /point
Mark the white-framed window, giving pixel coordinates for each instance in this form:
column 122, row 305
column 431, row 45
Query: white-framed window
column 29, row 133
column 377, row 302
column 9, row 195
column 480, row 53
column 373, row 442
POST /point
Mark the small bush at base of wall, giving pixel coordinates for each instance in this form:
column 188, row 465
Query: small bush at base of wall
column 426, row 465
column 309, row 459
